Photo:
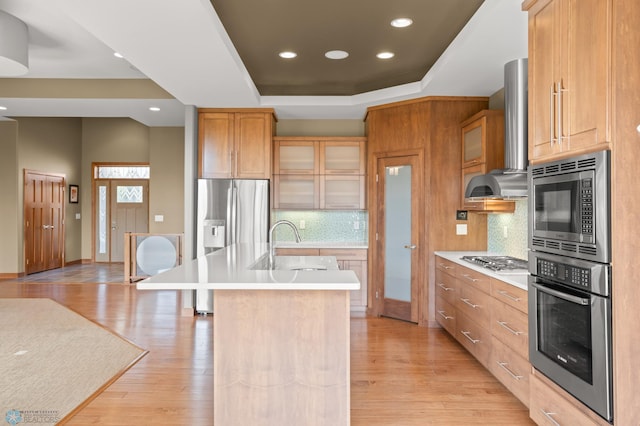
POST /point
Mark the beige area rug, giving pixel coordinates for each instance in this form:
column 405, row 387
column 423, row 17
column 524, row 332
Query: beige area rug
column 53, row 361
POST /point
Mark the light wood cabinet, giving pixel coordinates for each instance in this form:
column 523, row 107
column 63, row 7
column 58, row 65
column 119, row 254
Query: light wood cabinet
column 337, row 166
column 352, row 260
column 570, row 82
column 235, row 143
column 482, row 138
column 348, row 260
column 489, row 318
column 510, row 345
column 297, row 157
column 550, row 405
column 296, row 192
column 342, row 157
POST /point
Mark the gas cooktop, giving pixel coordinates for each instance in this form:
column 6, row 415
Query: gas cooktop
column 498, row 263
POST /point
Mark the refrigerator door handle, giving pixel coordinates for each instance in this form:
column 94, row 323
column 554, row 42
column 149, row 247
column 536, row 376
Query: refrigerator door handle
column 234, row 215
column 228, row 223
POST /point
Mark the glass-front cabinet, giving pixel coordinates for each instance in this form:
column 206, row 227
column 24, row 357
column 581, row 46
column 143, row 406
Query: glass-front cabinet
column 319, row 173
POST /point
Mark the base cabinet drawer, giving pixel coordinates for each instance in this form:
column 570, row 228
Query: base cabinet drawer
column 446, row 315
column 548, row 407
column 475, row 304
column 511, row 326
column 475, row 338
column 446, row 286
column 511, row 369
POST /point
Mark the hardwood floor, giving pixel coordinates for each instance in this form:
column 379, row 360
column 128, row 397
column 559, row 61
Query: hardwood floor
column 401, row 374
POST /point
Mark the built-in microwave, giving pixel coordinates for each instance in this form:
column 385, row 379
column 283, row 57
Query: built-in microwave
column 569, row 207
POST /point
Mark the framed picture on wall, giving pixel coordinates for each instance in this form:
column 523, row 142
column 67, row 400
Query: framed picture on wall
column 73, row 193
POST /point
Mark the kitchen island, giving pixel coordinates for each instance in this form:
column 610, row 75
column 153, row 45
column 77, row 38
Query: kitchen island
column 280, row 337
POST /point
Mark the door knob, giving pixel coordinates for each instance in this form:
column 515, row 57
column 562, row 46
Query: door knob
column 411, row 247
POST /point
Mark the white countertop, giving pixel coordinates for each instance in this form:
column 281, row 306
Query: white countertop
column 517, row 278
column 323, row 244
column 228, row 269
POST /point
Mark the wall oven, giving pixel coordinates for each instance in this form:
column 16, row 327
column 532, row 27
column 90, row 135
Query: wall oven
column 570, row 277
column 569, row 207
column 570, row 327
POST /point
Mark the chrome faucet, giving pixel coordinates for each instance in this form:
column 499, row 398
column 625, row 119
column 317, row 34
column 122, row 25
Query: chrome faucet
column 272, row 248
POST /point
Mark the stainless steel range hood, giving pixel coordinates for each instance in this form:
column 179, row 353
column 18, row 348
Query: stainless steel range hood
column 510, row 182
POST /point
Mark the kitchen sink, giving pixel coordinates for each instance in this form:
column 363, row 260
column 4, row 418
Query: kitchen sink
column 296, row 263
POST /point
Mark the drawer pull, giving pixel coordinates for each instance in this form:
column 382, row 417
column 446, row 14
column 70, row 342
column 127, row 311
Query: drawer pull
column 511, row 330
column 470, row 278
column 549, row 417
column 509, row 296
column 469, row 303
column 471, row 339
column 444, row 287
column 444, row 315
column 503, row 365
column 442, row 265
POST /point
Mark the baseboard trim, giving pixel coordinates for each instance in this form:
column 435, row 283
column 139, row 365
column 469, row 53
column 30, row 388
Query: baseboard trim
column 11, row 276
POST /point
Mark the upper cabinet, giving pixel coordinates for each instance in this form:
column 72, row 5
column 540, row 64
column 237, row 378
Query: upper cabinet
column 319, row 173
column 569, row 76
column 235, row 143
column 482, row 138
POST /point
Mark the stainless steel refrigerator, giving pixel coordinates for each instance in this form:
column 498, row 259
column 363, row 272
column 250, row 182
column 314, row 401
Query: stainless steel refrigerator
column 229, row 211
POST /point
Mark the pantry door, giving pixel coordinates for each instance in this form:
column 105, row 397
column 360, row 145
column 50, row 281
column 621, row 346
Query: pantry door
column 398, row 235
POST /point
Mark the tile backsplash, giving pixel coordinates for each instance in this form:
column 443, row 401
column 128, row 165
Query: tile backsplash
column 514, row 226
column 323, row 225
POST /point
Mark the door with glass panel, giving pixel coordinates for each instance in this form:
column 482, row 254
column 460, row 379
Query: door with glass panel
column 122, row 205
column 398, row 235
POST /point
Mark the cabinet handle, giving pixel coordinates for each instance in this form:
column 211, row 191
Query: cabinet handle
column 442, row 265
column 444, row 287
column 469, row 303
column 552, row 122
column 559, row 111
column 503, row 365
column 470, row 278
column 511, row 330
column 509, row 296
column 471, row 339
column 444, row 315
column 549, row 417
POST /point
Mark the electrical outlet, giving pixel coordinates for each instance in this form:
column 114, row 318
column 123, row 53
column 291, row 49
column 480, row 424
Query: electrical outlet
column 356, row 225
column 505, row 232
column 302, row 224
column 461, row 229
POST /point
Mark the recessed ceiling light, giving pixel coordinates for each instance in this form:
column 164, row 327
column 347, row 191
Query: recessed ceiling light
column 336, row 54
column 3, row 108
column 118, row 55
column 288, row 55
column 154, row 109
column 401, row 22
column 385, row 55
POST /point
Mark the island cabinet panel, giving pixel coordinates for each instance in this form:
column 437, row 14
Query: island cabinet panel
column 285, row 359
column 511, row 369
column 570, row 76
column 235, row 143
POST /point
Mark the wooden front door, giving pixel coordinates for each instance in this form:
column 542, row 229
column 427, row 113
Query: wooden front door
column 129, row 212
column 44, row 206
